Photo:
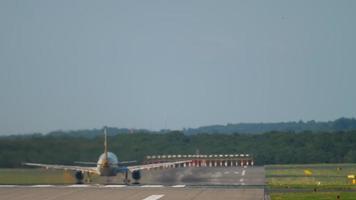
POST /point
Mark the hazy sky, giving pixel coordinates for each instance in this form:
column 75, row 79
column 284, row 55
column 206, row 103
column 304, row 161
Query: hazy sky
column 71, row 64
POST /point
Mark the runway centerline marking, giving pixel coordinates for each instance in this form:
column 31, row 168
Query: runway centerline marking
column 78, row 186
column 7, row 186
column 178, row 186
column 243, row 172
column 152, row 186
column 115, row 186
column 40, row 186
column 154, row 197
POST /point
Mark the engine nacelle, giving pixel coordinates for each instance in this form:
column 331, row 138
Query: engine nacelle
column 136, row 175
column 79, row 176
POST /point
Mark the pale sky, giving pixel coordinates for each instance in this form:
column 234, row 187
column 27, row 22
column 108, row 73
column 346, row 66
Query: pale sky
column 78, row 64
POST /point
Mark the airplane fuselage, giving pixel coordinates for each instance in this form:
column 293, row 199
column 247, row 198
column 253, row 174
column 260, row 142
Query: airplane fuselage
column 111, row 167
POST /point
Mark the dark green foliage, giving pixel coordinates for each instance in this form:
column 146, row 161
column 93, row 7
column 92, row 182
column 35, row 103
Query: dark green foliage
column 341, row 124
column 267, row 148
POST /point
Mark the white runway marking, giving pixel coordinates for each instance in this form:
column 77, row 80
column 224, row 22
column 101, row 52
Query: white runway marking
column 42, row 186
column 178, row 186
column 236, row 172
column 7, row 186
column 115, row 186
column 154, row 197
column 226, row 172
column 243, row 173
column 78, row 186
column 241, row 180
column 152, row 186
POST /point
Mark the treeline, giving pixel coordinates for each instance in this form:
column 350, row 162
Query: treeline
column 341, row 124
column 338, row 125
column 267, row 148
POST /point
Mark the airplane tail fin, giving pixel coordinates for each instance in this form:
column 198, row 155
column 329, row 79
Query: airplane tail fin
column 106, row 144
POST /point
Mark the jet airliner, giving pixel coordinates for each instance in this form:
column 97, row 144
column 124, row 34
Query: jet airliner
column 108, row 165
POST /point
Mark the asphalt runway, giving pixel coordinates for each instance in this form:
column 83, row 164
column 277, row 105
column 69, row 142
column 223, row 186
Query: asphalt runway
column 172, row 183
column 133, row 193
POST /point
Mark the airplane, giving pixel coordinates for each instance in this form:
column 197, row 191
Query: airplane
column 108, row 165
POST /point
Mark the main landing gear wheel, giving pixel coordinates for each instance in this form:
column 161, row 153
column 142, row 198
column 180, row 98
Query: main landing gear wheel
column 126, row 179
column 136, row 175
column 79, row 176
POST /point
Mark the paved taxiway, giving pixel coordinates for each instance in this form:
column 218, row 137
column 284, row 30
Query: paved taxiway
column 179, row 183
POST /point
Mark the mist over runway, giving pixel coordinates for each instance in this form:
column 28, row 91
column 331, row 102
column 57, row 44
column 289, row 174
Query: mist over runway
column 195, row 176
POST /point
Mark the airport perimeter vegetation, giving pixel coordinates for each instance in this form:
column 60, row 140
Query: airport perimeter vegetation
column 267, row 148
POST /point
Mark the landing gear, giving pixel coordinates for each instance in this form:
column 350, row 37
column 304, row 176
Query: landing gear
column 79, row 176
column 136, row 175
column 126, row 179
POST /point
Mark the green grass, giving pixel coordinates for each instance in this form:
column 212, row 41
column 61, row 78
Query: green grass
column 324, row 176
column 35, row 176
column 40, row 176
column 313, row 196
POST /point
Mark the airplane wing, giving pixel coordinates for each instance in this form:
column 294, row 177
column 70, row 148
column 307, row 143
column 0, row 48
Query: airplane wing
column 155, row 165
column 92, row 170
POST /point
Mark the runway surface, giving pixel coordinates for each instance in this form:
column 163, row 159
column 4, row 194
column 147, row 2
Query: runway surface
column 134, row 193
column 179, row 183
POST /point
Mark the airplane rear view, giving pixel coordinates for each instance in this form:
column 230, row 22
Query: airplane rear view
column 108, row 165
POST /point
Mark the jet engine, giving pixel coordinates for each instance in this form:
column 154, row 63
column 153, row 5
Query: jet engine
column 136, row 175
column 79, row 176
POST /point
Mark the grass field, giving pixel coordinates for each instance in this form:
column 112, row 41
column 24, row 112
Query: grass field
column 40, row 176
column 314, row 196
column 320, row 176
column 35, row 176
